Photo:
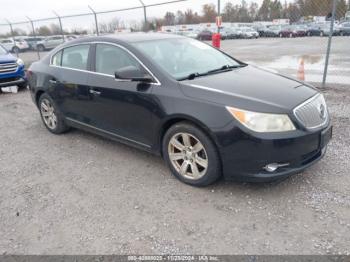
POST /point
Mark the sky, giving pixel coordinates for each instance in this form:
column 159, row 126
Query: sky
column 16, row 11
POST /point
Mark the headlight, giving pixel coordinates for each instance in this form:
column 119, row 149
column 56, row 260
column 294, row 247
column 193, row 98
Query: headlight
column 262, row 122
column 19, row 62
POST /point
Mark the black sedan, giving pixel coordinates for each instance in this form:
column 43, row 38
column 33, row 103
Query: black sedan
column 206, row 113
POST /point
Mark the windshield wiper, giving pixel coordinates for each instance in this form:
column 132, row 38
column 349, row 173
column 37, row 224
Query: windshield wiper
column 224, row 68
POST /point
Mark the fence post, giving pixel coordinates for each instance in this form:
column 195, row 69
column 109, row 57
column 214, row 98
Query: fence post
column 12, row 36
column 60, row 22
column 33, row 29
column 144, row 15
column 329, row 44
column 95, row 15
column 218, row 14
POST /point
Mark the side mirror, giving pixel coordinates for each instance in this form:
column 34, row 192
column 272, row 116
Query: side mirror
column 132, row 73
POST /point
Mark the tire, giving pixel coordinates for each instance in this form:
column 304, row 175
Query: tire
column 59, row 125
column 202, row 167
column 341, row 33
column 15, row 49
column 41, row 48
column 308, row 33
column 280, row 35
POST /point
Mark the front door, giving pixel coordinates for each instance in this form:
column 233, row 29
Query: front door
column 123, row 108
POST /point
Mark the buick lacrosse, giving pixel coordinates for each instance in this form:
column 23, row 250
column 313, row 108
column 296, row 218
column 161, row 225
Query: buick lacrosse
column 206, row 113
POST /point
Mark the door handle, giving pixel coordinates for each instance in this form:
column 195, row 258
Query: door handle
column 94, row 92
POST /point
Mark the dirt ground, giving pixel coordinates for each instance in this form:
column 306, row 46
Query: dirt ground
column 81, row 194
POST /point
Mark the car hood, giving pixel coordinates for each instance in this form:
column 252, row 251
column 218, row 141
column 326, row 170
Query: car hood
column 249, row 88
column 7, row 58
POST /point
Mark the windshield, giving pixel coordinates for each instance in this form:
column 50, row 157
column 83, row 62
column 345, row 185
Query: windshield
column 2, row 51
column 182, row 57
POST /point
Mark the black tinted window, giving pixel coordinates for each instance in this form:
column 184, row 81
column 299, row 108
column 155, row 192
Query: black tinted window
column 111, row 58
column 76, row 57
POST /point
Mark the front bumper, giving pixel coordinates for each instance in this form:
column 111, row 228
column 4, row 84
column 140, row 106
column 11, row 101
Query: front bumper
column 244, row 158
column 15, row 78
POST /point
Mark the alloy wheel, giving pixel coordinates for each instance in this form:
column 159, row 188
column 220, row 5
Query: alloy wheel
column 48, row 113
column 188, row 156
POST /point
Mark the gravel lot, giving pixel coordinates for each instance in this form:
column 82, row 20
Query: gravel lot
column 81, row 194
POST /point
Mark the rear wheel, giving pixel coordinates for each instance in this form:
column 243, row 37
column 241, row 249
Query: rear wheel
column 51, row 116
column 41, row 48
column 191, row 155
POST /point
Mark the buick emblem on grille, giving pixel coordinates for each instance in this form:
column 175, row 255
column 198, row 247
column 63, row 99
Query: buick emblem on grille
column 322, row 111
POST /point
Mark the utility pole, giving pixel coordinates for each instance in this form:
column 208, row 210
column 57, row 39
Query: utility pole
column 34, row 35
column 12, row 35
column 60, row 22
column 144, row 15
column 218, row 14
column 95, row 15
column 329, row 44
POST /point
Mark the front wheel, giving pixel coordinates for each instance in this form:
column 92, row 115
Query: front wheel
column 15, row 49
column 51, row 116
column 191, row 155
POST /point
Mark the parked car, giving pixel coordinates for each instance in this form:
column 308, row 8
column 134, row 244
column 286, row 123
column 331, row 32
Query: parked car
column 173, row 96
column 32, row 41
column 272, row 31
column 344, row 28
column 292, row 31
column 49, row 43
column 248, row 32
column 14, row 46
column 261, row 29
column 314, row 30
column 326, row 29
column 11, row 70
column 232, row 33
column 205, row 35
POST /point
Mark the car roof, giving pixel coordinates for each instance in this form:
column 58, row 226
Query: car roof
column 127, row 37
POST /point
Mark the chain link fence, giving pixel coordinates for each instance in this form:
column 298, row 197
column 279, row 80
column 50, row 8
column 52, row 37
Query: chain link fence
column 303, row 38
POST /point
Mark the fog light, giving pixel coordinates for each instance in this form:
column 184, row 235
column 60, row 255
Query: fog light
column 273, row 166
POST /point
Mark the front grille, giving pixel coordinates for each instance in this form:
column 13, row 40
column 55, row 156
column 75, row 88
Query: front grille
column 313, row 113
column 8, row 68
column 9, row 79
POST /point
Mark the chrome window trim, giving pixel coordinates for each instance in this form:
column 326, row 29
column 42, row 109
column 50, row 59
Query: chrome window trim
column 157, row 83
column 306, row 102
column 108, row 132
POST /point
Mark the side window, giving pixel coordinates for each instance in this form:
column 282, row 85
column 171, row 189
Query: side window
column 76, row 57
column 57, row 59
column 110, row 58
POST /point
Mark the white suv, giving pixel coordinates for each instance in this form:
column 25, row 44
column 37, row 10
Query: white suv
column 49, row 43
column 14, row 46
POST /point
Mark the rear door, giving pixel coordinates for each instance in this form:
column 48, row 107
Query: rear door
column 68, row 81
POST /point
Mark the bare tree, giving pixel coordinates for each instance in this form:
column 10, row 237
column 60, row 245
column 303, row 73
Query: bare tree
column 209, row 13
